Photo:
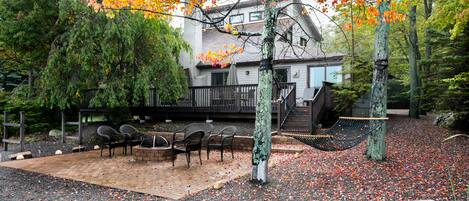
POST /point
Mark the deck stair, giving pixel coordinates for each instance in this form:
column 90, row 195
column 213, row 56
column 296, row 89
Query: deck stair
column 298, row 120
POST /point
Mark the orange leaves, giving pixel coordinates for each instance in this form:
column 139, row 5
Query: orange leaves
column 221, row 57
column 373, row 11
column 393, row 16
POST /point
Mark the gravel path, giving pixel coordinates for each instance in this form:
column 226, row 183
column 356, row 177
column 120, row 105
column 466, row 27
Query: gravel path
column 418, row 166
column 20, row 185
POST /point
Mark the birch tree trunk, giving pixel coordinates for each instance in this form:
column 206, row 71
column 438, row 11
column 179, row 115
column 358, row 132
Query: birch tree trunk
column 262, row 136
column 414, row 105
column 376, row 148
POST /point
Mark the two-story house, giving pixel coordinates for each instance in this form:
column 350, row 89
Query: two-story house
column 298, row 57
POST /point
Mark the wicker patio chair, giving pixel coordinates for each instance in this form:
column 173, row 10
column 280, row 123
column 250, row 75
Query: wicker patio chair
column 191, row 142
column 154, row 141
column 190, row 128
column 133, row 135
column 112, row 139
column 224, row 138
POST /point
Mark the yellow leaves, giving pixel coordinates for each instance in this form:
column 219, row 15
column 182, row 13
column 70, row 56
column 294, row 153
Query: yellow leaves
column 228, row 27
column 221, row 57
column 77, row 94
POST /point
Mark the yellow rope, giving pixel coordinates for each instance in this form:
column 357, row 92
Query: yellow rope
column 364, row 118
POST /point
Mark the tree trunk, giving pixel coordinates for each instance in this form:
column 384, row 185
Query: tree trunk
column 376, row 148
column 262, row 136
column 414, row 106
column 428, row 7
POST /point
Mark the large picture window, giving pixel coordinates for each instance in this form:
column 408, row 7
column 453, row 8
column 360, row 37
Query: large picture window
column 317, row 75
column 237, row 19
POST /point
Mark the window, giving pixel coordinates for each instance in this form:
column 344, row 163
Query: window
column 319, row 74
column 220, row 24
column 281, row 75
column 237, row 19
column 219, row 78
column 256, row 16
column 303, row 42
column 288, row 35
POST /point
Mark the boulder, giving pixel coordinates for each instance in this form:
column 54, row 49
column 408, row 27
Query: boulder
column 452, row 120
column 55, row 133
column 20, row 157
column 58, row 152
column 218, row 185
column 96, row 147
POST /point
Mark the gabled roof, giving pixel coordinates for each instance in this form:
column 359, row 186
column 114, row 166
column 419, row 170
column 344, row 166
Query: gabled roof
column 214, row 40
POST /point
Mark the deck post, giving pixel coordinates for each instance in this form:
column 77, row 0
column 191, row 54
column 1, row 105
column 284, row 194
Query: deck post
column 5, row 130
column 311, row 117
column 279, row 116
column 62, row 123
column 22, row 131
column 79, row 129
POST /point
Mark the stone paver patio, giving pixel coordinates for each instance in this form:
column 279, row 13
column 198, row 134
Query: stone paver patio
column 156, row 178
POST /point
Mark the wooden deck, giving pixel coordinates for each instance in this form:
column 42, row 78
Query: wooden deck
column 232, row 101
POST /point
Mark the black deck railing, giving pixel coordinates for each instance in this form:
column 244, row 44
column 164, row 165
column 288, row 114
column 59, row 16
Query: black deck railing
column 229, row 98
column 286, row 104
column 217, row 99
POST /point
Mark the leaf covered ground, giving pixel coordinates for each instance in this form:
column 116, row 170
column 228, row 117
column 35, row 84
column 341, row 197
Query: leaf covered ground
column 418, row 166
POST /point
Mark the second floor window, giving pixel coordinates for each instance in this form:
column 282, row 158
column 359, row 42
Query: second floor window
column 219, row 24
column 303, row 42
column 289, row 35
column 237, row 19
column 256, row 16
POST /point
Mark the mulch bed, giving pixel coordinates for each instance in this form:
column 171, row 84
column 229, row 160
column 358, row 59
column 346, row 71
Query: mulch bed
column 418, row 166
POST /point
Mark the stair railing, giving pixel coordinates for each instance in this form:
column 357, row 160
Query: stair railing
column 285, row 106
column 322, row 101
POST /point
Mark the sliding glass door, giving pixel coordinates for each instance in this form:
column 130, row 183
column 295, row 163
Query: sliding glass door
column 319, row 74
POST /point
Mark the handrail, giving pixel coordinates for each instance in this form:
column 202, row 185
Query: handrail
column 226, row 98
column 285, row 107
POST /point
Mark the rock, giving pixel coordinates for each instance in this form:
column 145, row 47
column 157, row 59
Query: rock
column 55, row 133
column 297, row 155
column 58, row 152
column 20, row 157
column 78, row 149
column 453, row 120
column 218, row 185
column 96, row 147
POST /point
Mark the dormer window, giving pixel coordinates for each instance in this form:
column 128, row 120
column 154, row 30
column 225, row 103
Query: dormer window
column 289, row 35
column 237, row 19
column 303, row 42
column 256, row 16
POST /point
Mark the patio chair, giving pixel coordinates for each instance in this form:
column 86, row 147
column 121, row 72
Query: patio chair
column 207, row 128
column 111, row 138
column 154, row 141
column 191, row 142
column 133, row 136
column 225, row 139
